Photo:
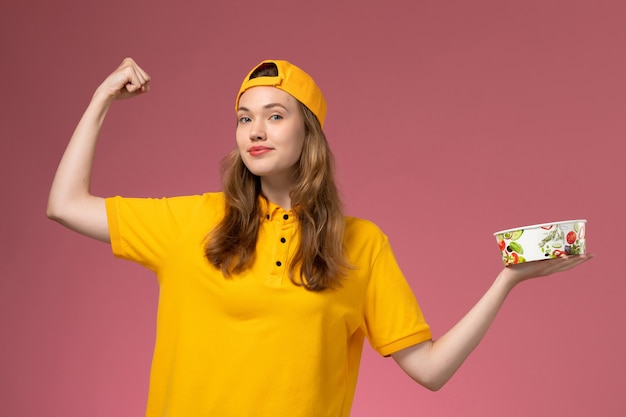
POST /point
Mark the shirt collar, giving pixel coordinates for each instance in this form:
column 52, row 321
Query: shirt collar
column 270, row 210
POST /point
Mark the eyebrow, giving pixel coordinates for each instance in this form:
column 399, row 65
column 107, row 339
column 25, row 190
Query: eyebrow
column 267, row 106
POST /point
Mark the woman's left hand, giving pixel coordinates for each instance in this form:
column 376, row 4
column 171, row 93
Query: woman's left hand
column 527, row 270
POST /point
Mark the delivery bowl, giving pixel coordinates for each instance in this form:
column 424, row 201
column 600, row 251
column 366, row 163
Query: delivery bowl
column 541, row 241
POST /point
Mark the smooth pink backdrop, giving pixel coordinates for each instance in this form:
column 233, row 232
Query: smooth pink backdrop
column 449, row 120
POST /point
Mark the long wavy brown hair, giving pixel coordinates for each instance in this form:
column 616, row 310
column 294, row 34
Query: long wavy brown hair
column 231, row 245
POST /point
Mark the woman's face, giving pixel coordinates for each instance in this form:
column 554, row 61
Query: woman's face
column 270, row 132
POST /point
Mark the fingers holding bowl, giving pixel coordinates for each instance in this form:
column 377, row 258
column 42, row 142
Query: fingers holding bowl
column 528, row 270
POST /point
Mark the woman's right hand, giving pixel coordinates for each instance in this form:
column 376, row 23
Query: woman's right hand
column 128, row 80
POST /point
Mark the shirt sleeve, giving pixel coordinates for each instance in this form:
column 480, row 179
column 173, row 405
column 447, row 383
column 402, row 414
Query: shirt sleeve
column 142, row 229
column 393, row 318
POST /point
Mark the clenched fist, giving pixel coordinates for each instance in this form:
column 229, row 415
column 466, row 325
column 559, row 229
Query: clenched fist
column 128, row 80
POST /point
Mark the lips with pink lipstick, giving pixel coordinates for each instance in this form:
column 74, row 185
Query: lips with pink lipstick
column 258, row 150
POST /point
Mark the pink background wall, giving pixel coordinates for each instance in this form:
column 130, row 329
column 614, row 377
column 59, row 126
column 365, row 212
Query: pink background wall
column 449, row 120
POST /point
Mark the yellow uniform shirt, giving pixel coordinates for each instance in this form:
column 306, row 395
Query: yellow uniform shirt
column 256, row 344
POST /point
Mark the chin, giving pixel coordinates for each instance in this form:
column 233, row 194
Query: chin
column 260, row 172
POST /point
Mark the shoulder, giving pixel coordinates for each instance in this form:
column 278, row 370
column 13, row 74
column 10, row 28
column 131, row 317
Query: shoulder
column 201, row 205
column 173, row 207
column 362, row 228
column 363, row 238
column 211, row 199
column 196, row 199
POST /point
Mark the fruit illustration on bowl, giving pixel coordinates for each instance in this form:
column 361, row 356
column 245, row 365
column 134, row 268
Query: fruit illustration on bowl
column 543, row 241
column 571, row 237
column 511, row 250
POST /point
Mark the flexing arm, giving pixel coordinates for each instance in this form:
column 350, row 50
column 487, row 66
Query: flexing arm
column 70, row 201
column 432, row 363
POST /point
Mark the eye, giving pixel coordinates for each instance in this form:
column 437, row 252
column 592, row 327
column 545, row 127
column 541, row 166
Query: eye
column 276, row 117
column 244, row 119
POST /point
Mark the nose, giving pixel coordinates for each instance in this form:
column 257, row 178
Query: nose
column 258, row 131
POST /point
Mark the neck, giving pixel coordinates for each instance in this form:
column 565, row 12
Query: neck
column 277, row 190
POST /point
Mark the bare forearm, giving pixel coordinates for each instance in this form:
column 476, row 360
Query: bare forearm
column 70, row 201
column 432, row 364
column 450, row 351
column 73, row 176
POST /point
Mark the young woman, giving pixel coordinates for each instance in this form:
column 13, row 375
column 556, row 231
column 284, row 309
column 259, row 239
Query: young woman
column 267, row 292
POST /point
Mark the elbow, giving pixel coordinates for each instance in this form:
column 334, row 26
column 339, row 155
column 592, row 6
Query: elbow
column 52, row 212
column 434, row 386
column 431, row 380
column 418, row 363
column 56, row 211
column 431, row 384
